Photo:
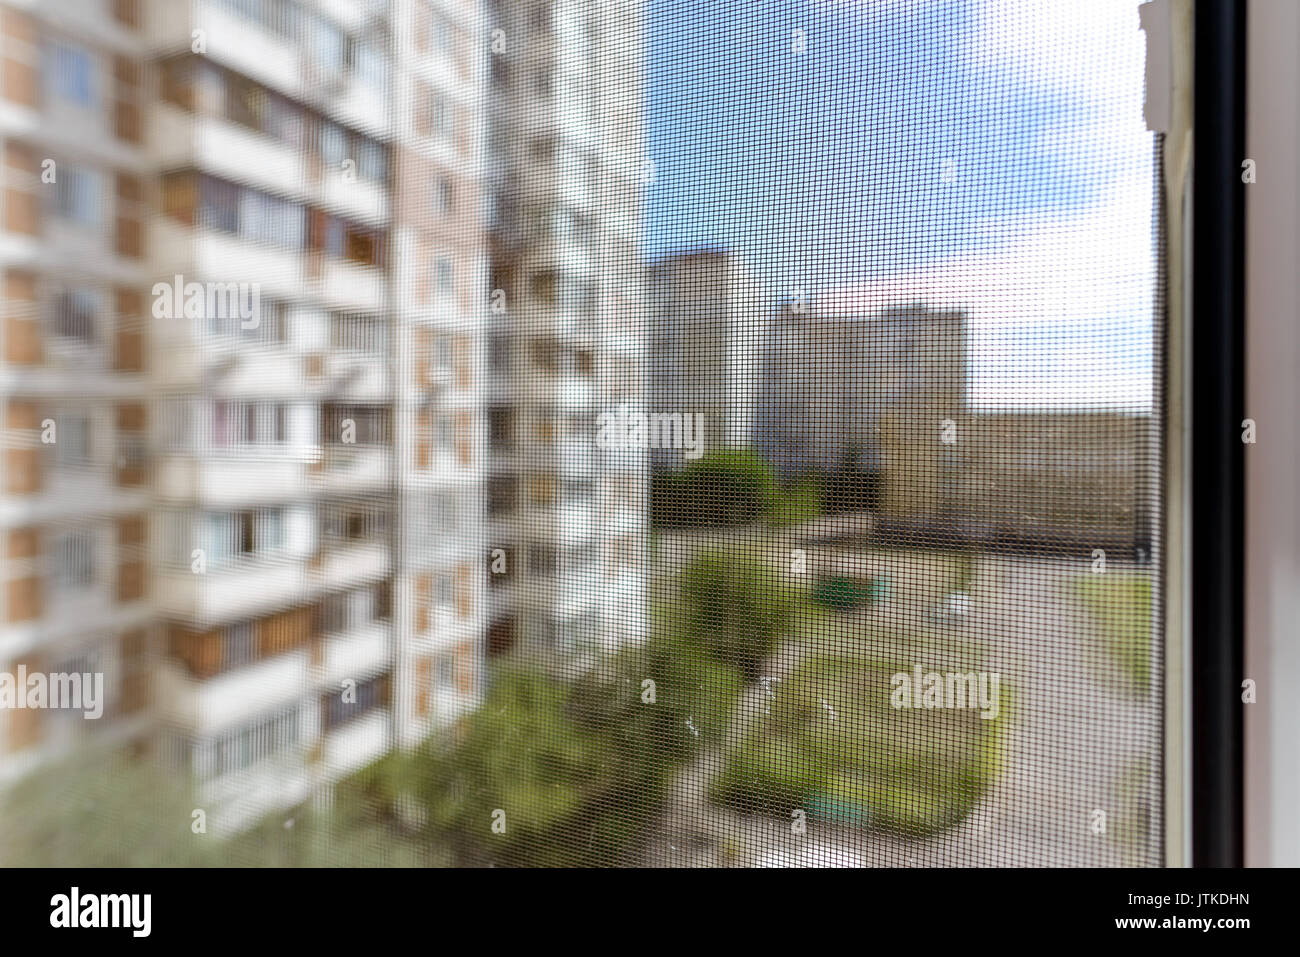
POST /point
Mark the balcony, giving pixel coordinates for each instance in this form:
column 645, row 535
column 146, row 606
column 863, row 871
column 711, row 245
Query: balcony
column 180, row 138
column 209, row 255
column 355, row 743
column 345, row 285
column 352, row 375
column 236, row 153
column 344, row 564
column 358, row 653
column 244, row 590
column 235, row 697
column 232, row 40
column 230, row 481
column 350, row 468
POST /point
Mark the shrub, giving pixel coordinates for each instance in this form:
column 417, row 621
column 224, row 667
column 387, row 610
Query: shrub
column 735, row 608
column 834, row 746
column 519, row 753
column 726, row 487
column 799, row 501
column 579, row 770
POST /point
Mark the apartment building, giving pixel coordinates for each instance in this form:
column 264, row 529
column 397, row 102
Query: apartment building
column 829, row 375
column 324, row 352
column 710, row 324
column 439, row 282
column 566, row 326
column 74, row 388
column 275, row 519
column 249, row 306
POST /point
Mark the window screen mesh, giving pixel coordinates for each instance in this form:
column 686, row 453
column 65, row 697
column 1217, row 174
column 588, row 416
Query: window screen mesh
column 583, row 433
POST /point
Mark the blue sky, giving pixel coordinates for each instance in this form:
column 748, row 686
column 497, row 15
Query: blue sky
column 981, row 154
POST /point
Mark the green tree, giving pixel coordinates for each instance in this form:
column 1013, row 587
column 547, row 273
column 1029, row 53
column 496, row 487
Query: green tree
column 735, row 608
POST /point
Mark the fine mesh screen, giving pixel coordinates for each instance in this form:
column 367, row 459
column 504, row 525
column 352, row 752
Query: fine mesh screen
column 584, row 433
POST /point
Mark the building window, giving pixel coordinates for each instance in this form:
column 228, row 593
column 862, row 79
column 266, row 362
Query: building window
column 74, row 560
column 543, row 560
column 77, row 195
column 327, row 45
column 500, row 346
column 72, row 448
column 442, row 196
column 244, row 747
column 372, row 159
column 333, row 143
column 501, row 428
column 446, row 673
column 369, row 66
column 219, row 205
column 71, row 73
column 442, row 594
column 73, row 315
column 358, row 333
column 367, row 696
column 439, row 116
column 444, row 282
column 501, row 495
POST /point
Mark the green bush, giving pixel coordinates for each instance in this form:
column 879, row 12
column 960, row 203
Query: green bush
column 118, row 810
column 520, row 753
column 834, row 746
column 799, row 501
column 579, row 769
column 735, row 608
column 726, row 487
column 663, row 725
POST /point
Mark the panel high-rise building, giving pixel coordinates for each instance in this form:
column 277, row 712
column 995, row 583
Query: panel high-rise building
column 248, row 294
column 310, row 312
column 829, row 376
column 565, row 173
column 710, row 324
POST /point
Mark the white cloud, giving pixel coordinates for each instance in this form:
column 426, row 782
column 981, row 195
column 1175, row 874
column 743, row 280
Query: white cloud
column 1059, row 303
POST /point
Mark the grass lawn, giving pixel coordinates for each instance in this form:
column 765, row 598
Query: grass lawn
column 1121, row 605
column 832, row 744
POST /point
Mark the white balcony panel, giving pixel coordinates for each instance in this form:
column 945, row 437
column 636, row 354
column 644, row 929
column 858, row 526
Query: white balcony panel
column 570, row 524
column 355, row 468
column 262, row 373
column 355, row 743
column 356, row 654
column 240, row 696
column 358, row 376
column 358, row 198
column 239, row 154
column 221, row 257
column 342, row 566
column 351, row 286
column 230, row 482
column 248, row 48
column 230, row 594
column 363, row 107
